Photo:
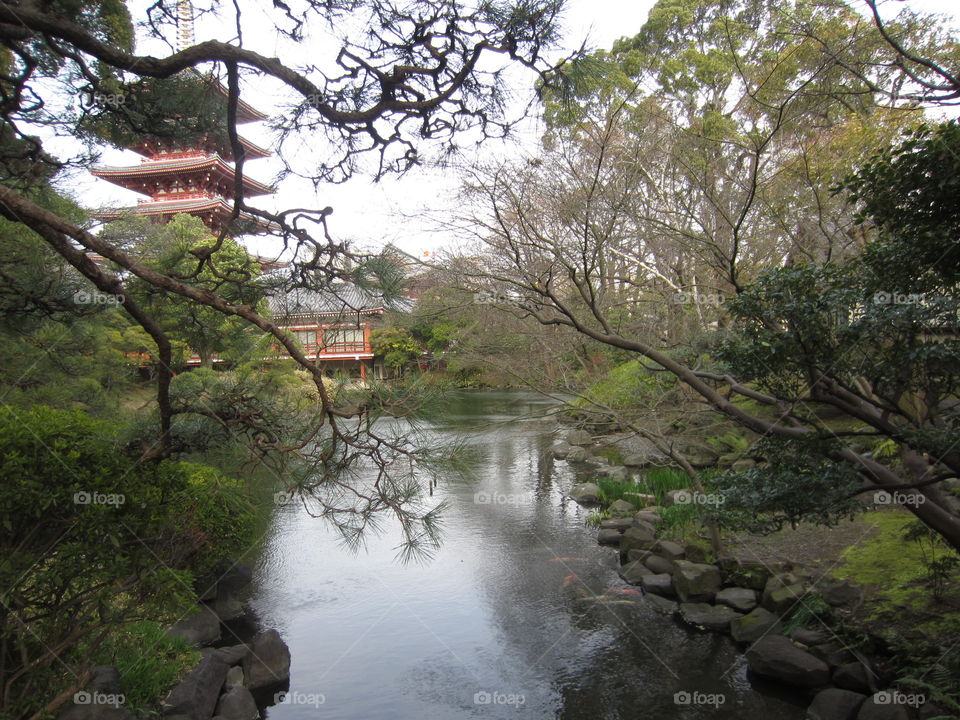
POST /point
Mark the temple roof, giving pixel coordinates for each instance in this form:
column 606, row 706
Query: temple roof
column 340, row 301
column 149, row 168
column 214, row 211
column 217, row 146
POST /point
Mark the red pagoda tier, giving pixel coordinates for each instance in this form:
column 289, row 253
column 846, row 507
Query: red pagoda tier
column 199, row 179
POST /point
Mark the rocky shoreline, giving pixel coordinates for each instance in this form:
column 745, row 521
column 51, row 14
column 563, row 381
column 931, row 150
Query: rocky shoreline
column 226, row 681
column 748, row 600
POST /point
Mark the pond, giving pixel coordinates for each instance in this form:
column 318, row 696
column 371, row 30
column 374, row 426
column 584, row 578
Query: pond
column 505, row 621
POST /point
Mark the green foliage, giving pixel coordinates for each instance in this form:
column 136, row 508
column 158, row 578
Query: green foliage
column 626, row 386
column 731, row 446
column 809, row 612
column 660, row 481
column 612, row 490
column 795, row 483
column 397, row 346
column 939, row 559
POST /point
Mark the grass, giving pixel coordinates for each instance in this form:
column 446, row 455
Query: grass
column 613, row 490
column 149, row 662
column 659, row 481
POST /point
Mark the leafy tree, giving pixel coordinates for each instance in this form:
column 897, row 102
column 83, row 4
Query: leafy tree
column 396, row 345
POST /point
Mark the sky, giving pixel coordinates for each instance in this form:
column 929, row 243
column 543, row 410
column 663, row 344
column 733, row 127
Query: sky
column 373, row 214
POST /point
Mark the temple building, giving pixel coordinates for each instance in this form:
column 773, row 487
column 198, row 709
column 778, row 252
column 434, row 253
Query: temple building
column 198, row 177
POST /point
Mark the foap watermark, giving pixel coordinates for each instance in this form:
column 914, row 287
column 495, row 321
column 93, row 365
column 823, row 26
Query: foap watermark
column 293, row 697
column 494, row 498
column 88, row 697
column 90, row 99
column 882, row 497
column 499, row 698
column 693, row 497
column 489, row 297
column 88, row 297
column 684, row 697
column 694, row 298
column 284, row 497
column 895, row 697
column 894, row 298
column 89, row 497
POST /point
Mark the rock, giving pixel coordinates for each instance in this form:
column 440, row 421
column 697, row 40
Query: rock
column 637, row 461
column 600, row 461
column 781, row 593
column 745, row 573
column 578, row 455
column 226, row 608
column 643, row 498
column 646, row 516
column 880, row 706
column 833, row 654
column 658, row 585
column 840, row 594
column 196, row 695
column 234, row 677
column 643, row 524
column 268, row 662
column 637, row 538
column 677, row 497
column 608, row 537
column 700, row 456
column 835, row 704
column 617, row 473
column 854, row 676
column 561, row 449
column 716, row 618
column 743, row 600
column 743, row 464
column 634, row 572
column 931, row 710
column 622, row 508
column 586, row 493
column 105, row 679
column 809, row 637
column 101, row 699
column 754, row 625
column 670, row 550
column 237, row 704
column 201, row 628
column 661, row 604
column 695, row 553
column 696, row 582
column 658, row 564
column 619, row 523
column 233, row 655
column 579, row 437
column 234, row 578
column 774, row 656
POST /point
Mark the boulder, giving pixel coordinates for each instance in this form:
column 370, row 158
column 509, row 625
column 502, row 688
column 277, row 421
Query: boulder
column 658, row 564
column 608, row 536
column 843, row 594
column 743, row 600
column 670, row 550
column 637, row 538
column 716, row 618
column 880, row 706
column 197, row 694
column 754, row 625
column 101, row 699
column 578, row 455
column 634, row 572
column 635, row 460
column 647, row 516
column 808, row 636
column 561, row 449
column 775, row 656
column 600, row 461
column 658, row 585
column 234, row 578
column 226, row 608
column 232, row 655
column 268, row 662
column 237, row 704
column 617, row 473
column 781, row 593
column 234, row 677
column 832, row 653
column 696, row 582
column 854, row 676
column 745, row 573
column 622, row 508
column 579, row 437
column 201, row 628
column 586, row 493
column 835, row 704
column 695, row 553
column 618, row 523
column 743, row 464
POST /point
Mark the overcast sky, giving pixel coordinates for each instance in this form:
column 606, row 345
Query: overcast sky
column 371, row 214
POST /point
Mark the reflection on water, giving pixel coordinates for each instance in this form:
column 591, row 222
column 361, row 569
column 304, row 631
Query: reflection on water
column 504, row 622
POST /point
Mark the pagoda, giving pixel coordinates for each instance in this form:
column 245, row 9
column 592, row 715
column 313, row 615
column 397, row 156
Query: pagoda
column 198, row 179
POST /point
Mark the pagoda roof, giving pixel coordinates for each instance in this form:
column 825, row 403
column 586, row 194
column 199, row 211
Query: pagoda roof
column 216, row 208
column 245, row 113
column 218, row 146
column 179, row 166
